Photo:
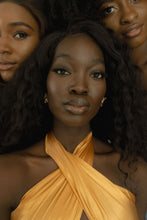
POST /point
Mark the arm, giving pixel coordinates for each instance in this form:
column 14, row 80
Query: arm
column 4, row 196
column 7, row 187
column 141, row 189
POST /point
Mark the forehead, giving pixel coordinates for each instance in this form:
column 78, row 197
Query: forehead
column 79, row 44
column 13, row 12
column 100, row 2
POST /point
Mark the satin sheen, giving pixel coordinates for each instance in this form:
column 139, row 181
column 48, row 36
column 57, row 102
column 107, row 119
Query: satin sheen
column 73, row 188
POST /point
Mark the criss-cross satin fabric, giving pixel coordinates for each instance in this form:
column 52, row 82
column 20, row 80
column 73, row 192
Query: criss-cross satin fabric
column 73, row 188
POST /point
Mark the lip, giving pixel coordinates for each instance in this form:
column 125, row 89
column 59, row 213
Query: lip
column 6, row 65
column 77, row 106
column 133, row 31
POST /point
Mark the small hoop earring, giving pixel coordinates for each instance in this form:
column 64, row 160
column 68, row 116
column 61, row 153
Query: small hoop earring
column 45, row 99
column 103, row 100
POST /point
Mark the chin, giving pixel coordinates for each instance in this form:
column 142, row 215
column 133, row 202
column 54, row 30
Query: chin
column 7, row 76
column 135, row 43
column 76, row 123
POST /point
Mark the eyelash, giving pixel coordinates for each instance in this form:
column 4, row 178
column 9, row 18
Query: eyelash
column 105, row 12
column 95, row 75
column 104, row 9
column 99, row 75
column 61, row 71
column 25, row 35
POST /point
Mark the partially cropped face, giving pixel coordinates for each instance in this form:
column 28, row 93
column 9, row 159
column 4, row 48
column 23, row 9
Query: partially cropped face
column 127, row 18
column 76, row 81
column 19, row 35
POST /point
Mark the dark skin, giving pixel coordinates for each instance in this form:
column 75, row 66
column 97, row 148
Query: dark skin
column 128, row 19
column 28, row 167
column 19, row 35
column 21, row 170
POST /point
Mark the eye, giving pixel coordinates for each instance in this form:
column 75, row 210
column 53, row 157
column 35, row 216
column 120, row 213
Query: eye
column 107, row 11
column 20, row 35
column 98, row 75
column 61, row 72
column 134, row 1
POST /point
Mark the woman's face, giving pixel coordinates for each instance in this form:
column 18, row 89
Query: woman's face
column 19, row 35
column 127, row 18
column 76, row 81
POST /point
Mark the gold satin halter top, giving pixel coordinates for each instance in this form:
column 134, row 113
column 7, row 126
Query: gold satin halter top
column 73, row 188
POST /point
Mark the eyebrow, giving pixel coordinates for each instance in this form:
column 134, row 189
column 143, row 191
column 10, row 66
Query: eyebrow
column 14, row 24
column 96, row 60
column 63, row 55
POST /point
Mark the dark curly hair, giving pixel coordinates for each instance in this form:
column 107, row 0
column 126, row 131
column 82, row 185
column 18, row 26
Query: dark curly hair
column 63, row 12
column 25, row 118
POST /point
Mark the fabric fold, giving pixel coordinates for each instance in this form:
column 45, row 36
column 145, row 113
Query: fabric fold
column 75, row 187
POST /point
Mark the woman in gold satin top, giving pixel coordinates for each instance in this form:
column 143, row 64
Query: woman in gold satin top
column 56, row 164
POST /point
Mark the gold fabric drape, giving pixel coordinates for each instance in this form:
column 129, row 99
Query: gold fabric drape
column 73, row 188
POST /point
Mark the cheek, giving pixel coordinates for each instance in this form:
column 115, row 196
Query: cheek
column 98, row 94
column 51, row 90
column 54, row 91
column 27, row 48
column 54, row 85
column 100, row 90
column 112, row 24
column 109, row 23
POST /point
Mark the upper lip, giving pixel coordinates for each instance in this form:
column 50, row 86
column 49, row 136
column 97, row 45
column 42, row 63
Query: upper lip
column 78, row 102
column 131, row 28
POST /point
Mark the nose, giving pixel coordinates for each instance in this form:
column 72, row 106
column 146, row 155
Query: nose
column 128, row 15
column 79, row 86
column 5, row 45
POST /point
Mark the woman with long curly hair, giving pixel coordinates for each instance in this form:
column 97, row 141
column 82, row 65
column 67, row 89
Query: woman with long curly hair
column 126, row 19
column 55, row 164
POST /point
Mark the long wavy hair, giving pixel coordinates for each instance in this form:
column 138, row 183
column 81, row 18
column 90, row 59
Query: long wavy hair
column 26, row 119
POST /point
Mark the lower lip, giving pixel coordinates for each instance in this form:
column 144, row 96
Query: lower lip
column 76, row 110
column 134, row 33
column 6, row 66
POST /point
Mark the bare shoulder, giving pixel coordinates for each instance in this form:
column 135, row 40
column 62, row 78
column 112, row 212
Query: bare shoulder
column 140, row 179
column 106, row 161
column 19, row 172
column 137, row 182
column 11, row 173
column 14, row 171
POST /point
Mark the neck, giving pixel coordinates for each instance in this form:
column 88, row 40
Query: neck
column 70, row 137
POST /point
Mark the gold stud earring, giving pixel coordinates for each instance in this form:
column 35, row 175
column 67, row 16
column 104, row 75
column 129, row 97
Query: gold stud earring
column 103, row 100
column 45, row 99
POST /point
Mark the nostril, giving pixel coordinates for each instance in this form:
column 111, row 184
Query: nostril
column 73, row 91
column 79, row 92
column 128, row 17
